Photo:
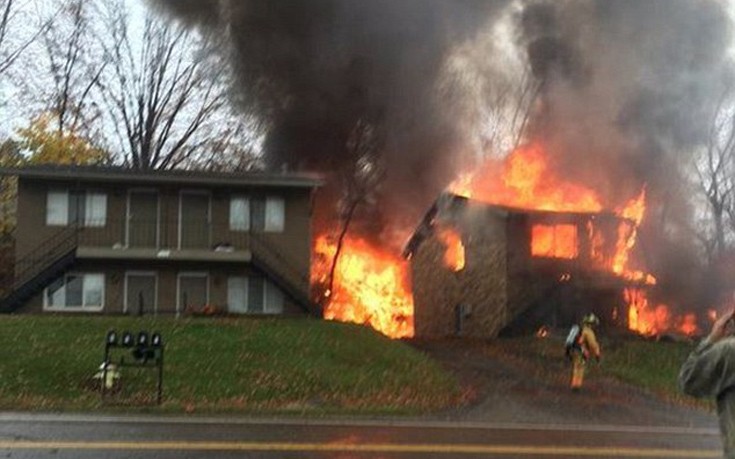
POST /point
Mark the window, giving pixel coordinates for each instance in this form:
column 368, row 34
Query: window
column 237, row 295
column 95, row 209
column 239, row 213
column 273, row 299
column 554, row 241
column 254, row 295
column 76, row 291
column 57, row 208
column 76, row 207
column 274, row 214
column 259, row 214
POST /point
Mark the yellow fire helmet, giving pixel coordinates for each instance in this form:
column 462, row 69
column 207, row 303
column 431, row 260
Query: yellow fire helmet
column 591, row 319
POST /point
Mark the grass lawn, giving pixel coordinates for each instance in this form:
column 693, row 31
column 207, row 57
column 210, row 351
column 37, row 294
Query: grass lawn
column 653, row 365
column 221, row 365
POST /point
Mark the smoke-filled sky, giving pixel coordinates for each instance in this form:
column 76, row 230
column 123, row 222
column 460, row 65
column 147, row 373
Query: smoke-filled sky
column 624, row 88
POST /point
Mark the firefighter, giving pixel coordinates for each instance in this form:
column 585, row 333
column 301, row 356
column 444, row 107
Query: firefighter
column 586, row 347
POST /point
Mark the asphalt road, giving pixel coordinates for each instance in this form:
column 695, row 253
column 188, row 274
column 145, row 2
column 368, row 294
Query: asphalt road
column 79, row 436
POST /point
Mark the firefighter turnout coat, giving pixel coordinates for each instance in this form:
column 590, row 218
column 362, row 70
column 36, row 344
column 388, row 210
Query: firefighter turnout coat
column 588, row 342
column 587, row 346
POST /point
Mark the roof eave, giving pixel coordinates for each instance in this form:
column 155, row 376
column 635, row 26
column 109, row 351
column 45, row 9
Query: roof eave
column 115, row 177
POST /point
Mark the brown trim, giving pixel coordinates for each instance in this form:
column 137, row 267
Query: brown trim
column 146, row 178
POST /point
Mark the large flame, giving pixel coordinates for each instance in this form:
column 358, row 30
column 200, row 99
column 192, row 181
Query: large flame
column 556, row 241
column 454, row 254
column 370, row 286
column 649, row 319
column 525, row 180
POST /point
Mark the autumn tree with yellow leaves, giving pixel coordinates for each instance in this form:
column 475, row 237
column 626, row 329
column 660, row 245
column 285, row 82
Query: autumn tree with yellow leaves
column 41, row 143
column 48, row 145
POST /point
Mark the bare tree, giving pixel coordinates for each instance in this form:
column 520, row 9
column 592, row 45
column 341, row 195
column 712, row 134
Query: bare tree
column 360, row 185
column 74, row 68
column 234, row 149
column 10, row 50
column 164, row 100
column 716, row 173
column 510, row 104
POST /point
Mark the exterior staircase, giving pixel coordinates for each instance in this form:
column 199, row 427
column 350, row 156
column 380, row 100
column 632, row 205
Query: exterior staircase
column 279, row 270
column 38, row 268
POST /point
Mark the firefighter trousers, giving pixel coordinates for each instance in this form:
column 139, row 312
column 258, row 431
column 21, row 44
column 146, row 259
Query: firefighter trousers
column 578, row 366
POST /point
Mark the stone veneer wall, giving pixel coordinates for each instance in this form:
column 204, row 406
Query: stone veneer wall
column 481, row 285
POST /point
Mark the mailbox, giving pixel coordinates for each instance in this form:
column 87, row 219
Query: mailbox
column 145, row 349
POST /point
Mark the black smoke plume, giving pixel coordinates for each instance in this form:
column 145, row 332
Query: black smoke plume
column 626, row 89
column 314, row 70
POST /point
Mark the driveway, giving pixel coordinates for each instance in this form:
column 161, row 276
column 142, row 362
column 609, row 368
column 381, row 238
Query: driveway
column 501, row 388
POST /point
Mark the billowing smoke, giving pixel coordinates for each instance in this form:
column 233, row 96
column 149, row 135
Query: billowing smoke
column 625, row 90
column 347, row 82
column 626, row 84
column 627, row 95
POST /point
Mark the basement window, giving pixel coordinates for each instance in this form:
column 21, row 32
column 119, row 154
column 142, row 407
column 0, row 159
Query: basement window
column 75, row 292
column 554, row 241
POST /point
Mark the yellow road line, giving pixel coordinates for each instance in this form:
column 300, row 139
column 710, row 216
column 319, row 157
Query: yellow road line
column 364, row 448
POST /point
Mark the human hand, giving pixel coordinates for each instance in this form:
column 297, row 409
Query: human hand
column 720, row 328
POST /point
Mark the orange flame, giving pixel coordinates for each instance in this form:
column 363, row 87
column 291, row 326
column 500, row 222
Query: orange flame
column 557, row 241
column 647, row 319
column 524, row 180
column 634, row 210
column 454, row 255
column 370, row 286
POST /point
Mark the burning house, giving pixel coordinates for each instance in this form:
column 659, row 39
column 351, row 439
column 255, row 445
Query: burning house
column 479, row 269
column 510, row 247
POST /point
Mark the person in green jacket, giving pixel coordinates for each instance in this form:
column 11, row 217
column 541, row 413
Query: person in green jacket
column 709, row 371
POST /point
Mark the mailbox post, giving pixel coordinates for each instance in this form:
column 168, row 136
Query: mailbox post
column 144, row 351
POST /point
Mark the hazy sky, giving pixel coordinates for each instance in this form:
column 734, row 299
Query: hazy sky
column 15, row 109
